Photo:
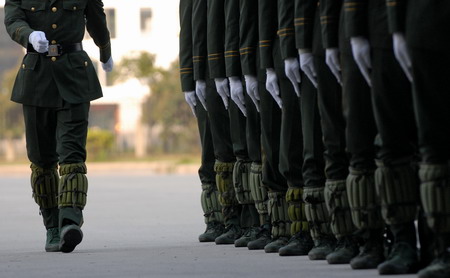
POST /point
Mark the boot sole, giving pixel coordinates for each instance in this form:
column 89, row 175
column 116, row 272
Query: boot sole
column 70, row 238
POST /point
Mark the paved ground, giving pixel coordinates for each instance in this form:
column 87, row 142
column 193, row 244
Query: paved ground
column 137, row 225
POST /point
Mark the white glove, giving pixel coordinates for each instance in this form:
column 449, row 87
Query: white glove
column 333, row 62
column 237, row 93
column 292, row 71
column 108, row 66
column 200, row 91
column 251, row 84
column 39, row 41
column 272, row 86
column 190, row 99
column 223, row 90
column 361, row 54
column 307, row 66
column 401, row 53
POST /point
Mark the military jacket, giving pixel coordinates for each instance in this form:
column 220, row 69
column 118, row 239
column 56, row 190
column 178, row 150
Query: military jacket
column 286, row 31
column 248, row 33
column 267, row 27
column 216, row 38
column 232, row 58
column 199, row 47
column 185, row 55
column 44, row 81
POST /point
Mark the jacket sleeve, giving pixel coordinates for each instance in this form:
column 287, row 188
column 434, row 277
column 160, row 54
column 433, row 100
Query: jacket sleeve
column 329, row 21
column 286, row 30
column 248, row 33
column 16, row 22
column 216, row 38
column 232, row 59
column 304, row 23
column 267, row 26
column 185, row 55
column 97, row 28
column 199, row 50
column 356, row 14
column 396, row 11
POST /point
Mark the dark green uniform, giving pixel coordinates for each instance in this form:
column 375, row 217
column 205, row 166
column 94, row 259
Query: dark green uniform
column 209, row 198
column 396, row 175
column 426, row 26
column 55, row 93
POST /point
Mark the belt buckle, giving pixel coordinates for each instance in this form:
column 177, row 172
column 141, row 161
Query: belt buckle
column 54, row 50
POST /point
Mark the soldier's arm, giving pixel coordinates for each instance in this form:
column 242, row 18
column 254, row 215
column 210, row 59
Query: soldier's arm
column 396, row 11
column 97, row 28
column 329, row 21
column 286, row 30
column 216, row 38
column 199, row 49
column 185, row 54
column 232, row 59
column 356, row 18
column 248, row 33
column 266, row 26
column 304, row 23
column 16, row 22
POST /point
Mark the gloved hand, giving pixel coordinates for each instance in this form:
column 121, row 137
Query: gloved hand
column 108, row 66
column 39, row 41
column 307, row 66
column 223, row 90
column 334, row 63
column 401, row 54
column 237, row 93
column 190, row 99
column 361, row 54
column 200, row 91
column 292, row 71
column 251, row 84
column 272, row 86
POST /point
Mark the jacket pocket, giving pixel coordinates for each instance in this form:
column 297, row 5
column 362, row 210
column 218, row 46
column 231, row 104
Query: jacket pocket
column 80, row 63
column 74, row 5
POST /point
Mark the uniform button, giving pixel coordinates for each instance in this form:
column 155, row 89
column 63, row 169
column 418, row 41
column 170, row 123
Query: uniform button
column 53, row 42
column 54, row 26
column 54, row 9
column 85, row 63
column 33, row 9
column 74, row 8
column 23, row 66
column 53, row 59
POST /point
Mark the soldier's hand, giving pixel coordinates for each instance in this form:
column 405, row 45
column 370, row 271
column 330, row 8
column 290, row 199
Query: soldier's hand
column 333, row 62
column 361, row 54
column 292, row 71
column 223, row 90
column 190, row 99
column 108, row 66
column 39, row 42
column 402, row 54
column 307, row 66
column 237, row 93
column 251, row 85
column 200, row 91
column 272, row 86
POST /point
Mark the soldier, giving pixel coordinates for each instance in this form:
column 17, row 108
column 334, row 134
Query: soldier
column 396, row 174
column 424, row 58
column 55, row 85
column 210, row 196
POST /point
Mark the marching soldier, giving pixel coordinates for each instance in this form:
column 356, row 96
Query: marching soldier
column 55, row 85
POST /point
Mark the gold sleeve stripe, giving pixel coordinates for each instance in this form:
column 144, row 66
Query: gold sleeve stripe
column 265, row 41
column 232, row 51
column 215, row 54
column 347, row 4
column 217, row 58
column 392, row 4
column 231, row 56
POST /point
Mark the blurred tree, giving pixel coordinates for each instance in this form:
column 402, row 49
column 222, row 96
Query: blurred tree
column 11, row 118
column 99, row 143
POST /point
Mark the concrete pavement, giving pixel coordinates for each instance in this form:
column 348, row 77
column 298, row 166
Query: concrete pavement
column 137, row 224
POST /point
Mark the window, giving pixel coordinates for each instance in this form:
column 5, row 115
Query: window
column 146, row 19
column 111, row 21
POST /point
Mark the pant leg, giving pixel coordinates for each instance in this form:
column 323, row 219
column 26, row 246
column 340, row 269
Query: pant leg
column 253, row 131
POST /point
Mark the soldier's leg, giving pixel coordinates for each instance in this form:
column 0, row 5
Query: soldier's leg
column 40, row 129
column 223, row 151
column 396, row 176
column 210, row 196
column 432, row 99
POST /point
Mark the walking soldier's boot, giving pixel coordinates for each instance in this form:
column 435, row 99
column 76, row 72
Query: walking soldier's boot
column 341, row 223
column 300, row 242
column 319, row 223
column 435, row 195
column 229, row 203
column 44, row 183
column 366, row 215
column 281, row 225
column 397, row 186
column 73, row 187
column 212, row 212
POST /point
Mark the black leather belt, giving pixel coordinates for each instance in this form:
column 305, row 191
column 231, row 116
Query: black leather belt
column 55, row 50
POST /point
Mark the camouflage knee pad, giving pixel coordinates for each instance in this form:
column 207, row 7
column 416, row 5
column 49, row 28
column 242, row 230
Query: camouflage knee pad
column 258, row 190
column 241, row 182
column 210, row 204
column 316, row 212
column 224, row 182
column 336, row 200
column 278, row 211
column 397, row 187
column 296, row 210
column 364, row 200
column 44, row 183
column 73, row 185
column 435, row 195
